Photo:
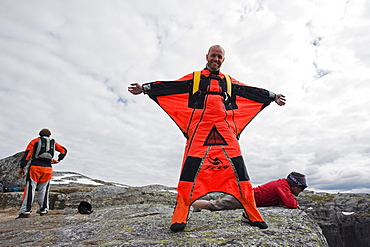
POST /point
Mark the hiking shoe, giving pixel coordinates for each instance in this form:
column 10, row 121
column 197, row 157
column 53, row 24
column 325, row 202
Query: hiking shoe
column 42, row 212
column 245, row 218
column 195, row 209
column 177, row 227
column 24, row 215
column 259, row 224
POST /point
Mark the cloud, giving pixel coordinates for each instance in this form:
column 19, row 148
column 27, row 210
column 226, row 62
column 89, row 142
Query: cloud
column 67, row 67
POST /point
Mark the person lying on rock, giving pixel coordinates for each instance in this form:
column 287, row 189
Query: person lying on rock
column 281, row 192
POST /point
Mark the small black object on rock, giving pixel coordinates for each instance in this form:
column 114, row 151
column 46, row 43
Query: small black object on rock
column 85, row 208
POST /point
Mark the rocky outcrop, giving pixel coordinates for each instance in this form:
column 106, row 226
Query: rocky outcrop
column 140, row 216
column 343, row 217
column 8, row 170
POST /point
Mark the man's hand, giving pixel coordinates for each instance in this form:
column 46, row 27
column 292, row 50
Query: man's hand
column 53, row 161
column 135, row 88
column 280, row 99
column 20, row 172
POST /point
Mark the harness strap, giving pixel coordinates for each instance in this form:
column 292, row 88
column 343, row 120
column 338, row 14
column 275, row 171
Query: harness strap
column 45, row 145
column 216, row 93
column 196, row 82
column 228, row 85
column 39, row 145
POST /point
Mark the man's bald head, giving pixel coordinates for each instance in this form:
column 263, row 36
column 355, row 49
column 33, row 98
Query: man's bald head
column 215, row 57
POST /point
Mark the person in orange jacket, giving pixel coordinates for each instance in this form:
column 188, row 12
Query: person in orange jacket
column 211, row 109
column 281, row 192
column 39, row 154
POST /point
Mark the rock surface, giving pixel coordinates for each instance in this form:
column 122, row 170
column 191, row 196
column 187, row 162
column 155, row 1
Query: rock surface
column 343, row 217
column 8, row 170
column 140, row 216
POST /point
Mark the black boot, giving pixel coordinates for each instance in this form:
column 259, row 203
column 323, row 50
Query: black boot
column 260, row 224
column 177, row 227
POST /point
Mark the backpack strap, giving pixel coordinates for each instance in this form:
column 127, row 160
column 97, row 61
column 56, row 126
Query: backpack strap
column 38, row 149
column 228, row 85
column 45, row 148
column 196, row 82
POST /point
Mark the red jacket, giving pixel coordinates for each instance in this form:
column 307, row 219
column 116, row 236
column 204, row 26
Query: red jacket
column 275, row 193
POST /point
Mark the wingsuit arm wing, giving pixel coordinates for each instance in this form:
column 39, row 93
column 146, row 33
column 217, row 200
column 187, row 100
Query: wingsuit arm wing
column 253, row 93
column 173, row 98
column 246, row 102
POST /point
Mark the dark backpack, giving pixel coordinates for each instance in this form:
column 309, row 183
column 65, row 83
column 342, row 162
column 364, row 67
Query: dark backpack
column 45, row 148
column 3, row 187
column 85, row 208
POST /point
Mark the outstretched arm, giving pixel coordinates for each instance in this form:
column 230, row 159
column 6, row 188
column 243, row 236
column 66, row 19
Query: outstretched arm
column 135, row 89
column 287, row 197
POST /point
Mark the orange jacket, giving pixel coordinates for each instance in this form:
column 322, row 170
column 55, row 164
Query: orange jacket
column 30, row 152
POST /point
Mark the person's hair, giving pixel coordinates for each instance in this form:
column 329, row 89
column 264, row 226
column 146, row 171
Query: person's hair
column 45, row 132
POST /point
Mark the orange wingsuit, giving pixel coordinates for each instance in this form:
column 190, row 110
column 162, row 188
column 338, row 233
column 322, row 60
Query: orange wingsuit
column 212, row 121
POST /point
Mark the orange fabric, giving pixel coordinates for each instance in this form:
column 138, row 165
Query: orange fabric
column 31, row 146
column 212, row 159
column 24, row 192
column 60, row 148
column 40, row 174
column 31, row 149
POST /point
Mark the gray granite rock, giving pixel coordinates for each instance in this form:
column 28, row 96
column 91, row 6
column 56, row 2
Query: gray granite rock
column 343, row 217
column 148, row 225
column 140, row 216
column 8, row 170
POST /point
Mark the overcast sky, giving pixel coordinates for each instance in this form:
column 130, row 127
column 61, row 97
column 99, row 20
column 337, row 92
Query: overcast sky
column 66, row 66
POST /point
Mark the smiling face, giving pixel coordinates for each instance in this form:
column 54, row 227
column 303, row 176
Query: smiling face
column 215, row 58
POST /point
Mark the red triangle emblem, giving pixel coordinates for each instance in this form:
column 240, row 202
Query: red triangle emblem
column 214, row 138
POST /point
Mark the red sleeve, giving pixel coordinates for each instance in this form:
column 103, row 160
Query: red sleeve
column 286, row 196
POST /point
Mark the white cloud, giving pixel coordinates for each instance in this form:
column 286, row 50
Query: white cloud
column 67, row 65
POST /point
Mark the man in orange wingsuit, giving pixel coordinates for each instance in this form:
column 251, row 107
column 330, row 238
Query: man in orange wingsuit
column 211, row 109
column 40, row 153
